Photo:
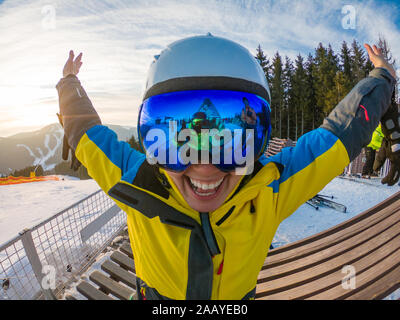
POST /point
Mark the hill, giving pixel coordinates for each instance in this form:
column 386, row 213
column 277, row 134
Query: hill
column 42, row 147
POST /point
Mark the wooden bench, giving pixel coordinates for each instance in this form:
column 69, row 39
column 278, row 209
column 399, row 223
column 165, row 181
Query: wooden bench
column 276, row 145
column 118, row 281
column 311, row 268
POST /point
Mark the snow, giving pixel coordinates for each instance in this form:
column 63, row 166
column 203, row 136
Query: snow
column 26, row 205
column 23, row 206
column 56, row 133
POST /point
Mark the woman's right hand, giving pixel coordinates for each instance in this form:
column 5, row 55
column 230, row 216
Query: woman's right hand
column 72, row 66
column 377, row 58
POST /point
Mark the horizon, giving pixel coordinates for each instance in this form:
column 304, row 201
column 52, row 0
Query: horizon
column 119, row 40
column 56, row 123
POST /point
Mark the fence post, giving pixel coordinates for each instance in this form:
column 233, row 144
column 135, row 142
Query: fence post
column 33, row 257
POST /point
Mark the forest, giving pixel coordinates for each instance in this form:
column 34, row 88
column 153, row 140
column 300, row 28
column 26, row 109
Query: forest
column 305, row 91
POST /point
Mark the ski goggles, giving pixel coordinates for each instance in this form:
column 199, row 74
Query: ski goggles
column 228, row 129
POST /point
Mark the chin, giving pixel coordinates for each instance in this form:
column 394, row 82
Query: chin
column 204, row 207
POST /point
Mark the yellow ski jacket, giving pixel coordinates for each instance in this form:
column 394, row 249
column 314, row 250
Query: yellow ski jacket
column 184, row 254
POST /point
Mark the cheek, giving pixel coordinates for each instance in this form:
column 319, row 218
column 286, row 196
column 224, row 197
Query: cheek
column 234, row 179
column 177, row 178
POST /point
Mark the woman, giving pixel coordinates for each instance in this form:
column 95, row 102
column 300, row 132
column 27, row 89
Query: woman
column 201, row 229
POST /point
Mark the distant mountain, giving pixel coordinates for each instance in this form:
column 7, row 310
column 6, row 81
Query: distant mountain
column 42, row 147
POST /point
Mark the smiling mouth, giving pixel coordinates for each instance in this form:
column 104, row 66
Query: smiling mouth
column 204, row 189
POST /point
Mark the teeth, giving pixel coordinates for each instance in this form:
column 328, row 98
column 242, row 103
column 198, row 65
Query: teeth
column 205, row 186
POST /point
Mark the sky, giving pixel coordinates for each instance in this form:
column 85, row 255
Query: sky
column 119, row 39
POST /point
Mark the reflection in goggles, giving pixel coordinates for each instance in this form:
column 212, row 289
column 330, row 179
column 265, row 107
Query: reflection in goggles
column 210, row 146
column 207, row 126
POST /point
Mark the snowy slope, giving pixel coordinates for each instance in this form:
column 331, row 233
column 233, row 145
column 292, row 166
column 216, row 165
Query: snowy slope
column 25, row 205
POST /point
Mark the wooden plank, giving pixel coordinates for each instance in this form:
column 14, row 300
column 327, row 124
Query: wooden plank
column 126, row 248
column 123, row 260
column 342, row 246
column 121, row 275
column 344, row 251
column 312, row 276
column 348, row 223
column 326, row 239
column 363, row 280
column 111, row 286
column 381, row 288
column 308, row 289
column 90, row 292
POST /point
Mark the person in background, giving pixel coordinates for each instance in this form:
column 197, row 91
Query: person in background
column 370, row 152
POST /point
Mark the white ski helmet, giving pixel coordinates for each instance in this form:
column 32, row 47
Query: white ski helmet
column 206, row 63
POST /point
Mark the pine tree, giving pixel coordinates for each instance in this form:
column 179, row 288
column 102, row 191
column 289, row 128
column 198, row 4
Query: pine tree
column 26, row 172
column 134, row 144
column 326, row 67
column 320, row 72
column 300, row 94
column 311, row 102
column 264, row 62
column 288, row 72
column 277, row 94
column 341, row 83
column 345, row 67
column 64, row 168
column 386, row 51
column 331, row 78
column 384, row 46
column 358, row 62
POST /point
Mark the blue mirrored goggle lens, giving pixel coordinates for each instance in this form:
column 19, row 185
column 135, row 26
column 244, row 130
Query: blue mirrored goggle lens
column 222, row 127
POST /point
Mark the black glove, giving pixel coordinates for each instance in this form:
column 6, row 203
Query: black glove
column 390, row 148
column 75, row 164
column 385, row 152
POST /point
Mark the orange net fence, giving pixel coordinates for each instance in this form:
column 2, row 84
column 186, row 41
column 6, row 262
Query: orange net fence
column 18, row 180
